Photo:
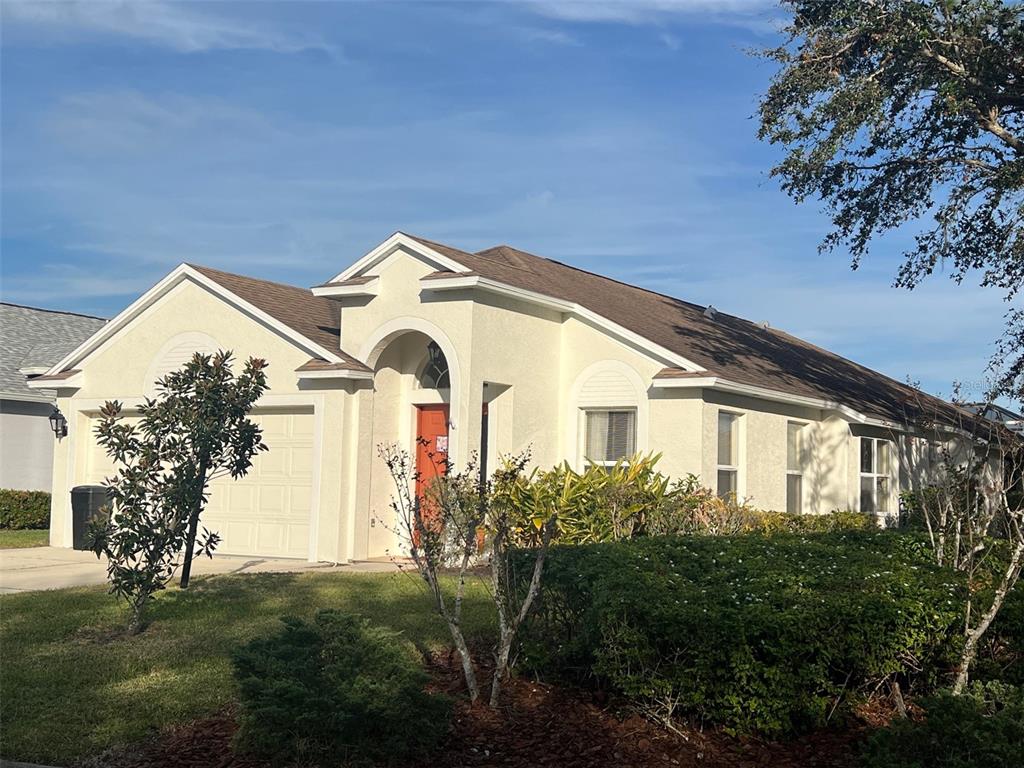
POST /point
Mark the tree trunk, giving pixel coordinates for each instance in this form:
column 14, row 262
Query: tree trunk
column 501, row 666
column 193, row 525
column 429, row 573
column 974, row 635
column 509, row 628
column 135, row 619
column 467, row 661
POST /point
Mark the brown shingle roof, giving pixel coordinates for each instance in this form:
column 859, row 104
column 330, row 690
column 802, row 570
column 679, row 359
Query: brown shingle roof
column 310, row 316
column 62, row 376
column 316, row 364
column 361, row 280
column 727, row 346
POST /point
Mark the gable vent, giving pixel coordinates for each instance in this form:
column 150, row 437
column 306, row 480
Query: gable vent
column 175, row 353
column 607, row 389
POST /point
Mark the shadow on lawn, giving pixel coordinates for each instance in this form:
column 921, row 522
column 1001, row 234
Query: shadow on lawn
column 74, row 685
column 239, row 605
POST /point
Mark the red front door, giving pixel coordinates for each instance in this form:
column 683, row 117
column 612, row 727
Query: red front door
column 431, row 445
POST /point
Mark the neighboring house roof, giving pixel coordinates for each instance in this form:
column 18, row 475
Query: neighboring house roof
column 726, row 346
column 32, row 338
column 994, row 412
column 310, row 316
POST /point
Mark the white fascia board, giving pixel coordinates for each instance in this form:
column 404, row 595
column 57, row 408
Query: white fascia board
column 25, row 397
column 724, row 385
column 389, row 246
column 371, row 288
column 72, row 382
column 569, row 307
column 343, row 373
column 457, row 282
column 177, row 275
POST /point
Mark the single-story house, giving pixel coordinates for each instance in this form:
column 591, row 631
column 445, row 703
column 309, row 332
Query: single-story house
column 485, row 353
column 31, row 341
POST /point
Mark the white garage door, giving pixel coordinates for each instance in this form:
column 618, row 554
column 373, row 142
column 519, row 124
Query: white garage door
column 267, row 512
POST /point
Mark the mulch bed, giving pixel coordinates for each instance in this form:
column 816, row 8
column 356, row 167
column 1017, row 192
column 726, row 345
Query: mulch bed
column 537, row 725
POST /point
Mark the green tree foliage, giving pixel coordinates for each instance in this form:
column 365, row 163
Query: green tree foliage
column 335, row 691
column 896, row 111
column 195, row 430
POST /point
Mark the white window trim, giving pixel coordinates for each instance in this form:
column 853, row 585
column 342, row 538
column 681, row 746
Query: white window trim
column 885, row 508
column 573, row 445
column 582, row 437
column 737, row 469
column 801, row 508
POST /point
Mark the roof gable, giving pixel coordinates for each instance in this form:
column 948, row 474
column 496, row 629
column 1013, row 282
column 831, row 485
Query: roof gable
column 294, row 313
column 418, row 247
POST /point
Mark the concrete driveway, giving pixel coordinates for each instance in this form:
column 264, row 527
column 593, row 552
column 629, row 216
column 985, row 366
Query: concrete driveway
column 26, row 570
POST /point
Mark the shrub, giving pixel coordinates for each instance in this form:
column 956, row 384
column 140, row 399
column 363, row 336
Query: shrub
column 24, row 509
column 759, row 634
column 837, row 520
column 599, row 504
column 332, row 691
column 982, row 728
column 632, row 499
column 694, row 509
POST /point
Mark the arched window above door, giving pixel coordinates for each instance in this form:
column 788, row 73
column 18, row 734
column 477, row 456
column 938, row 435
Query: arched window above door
column 434, row 373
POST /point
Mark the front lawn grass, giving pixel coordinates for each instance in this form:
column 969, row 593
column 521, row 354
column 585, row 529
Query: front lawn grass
column 22, row 539
column 73, row 684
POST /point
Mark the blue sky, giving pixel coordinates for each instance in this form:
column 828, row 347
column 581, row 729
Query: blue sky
column 284, row 140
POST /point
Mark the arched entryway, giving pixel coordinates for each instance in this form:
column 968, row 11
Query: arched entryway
column 416, row 389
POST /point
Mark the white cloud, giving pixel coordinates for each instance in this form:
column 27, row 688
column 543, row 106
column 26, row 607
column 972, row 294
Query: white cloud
column 644, row 11
column 55, row 282
column 671, row 42
column 172, row 25
column 542, row 35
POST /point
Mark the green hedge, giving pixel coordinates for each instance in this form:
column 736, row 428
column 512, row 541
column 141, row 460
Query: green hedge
column 759, row 634
column 24, row 509
column 982, row 729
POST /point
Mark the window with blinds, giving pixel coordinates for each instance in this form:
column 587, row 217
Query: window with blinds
column 609, row 436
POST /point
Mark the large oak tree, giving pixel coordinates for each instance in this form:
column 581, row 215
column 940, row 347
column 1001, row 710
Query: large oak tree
column 910, row 112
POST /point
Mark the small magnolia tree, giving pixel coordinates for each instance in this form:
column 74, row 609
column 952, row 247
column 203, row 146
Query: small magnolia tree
column 462, row 518
column 966, row 492
column 196, row 430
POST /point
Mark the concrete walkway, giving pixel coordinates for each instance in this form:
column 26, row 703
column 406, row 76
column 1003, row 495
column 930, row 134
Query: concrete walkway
column 35, row 568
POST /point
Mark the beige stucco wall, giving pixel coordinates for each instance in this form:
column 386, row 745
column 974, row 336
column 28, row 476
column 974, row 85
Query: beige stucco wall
column 762, row 451
column 119, row 370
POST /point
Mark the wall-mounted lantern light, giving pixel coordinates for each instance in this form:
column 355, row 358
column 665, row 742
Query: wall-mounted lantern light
column 58, row 423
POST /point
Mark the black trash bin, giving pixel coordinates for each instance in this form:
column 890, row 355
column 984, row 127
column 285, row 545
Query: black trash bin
column 86, row 503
